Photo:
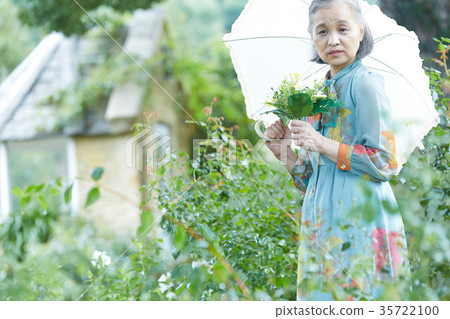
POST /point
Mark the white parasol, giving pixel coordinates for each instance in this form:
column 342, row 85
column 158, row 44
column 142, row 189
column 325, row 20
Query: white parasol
column 270, row 40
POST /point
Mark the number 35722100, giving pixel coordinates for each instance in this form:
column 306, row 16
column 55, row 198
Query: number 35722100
column 408, row 310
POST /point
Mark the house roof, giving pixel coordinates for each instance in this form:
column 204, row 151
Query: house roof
column 53, row 66
column 16, row 101
column 142, row 40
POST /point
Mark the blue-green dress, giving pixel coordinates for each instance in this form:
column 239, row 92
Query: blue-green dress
column 352, row 238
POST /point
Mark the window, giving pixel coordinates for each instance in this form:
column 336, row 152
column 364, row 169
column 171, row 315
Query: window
column 33, row 162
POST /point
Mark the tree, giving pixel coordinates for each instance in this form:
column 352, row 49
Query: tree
column 194, row 22
column 69, row 16
column 427, row 18
column 13, row 52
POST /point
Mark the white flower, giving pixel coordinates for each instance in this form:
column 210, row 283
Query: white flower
column 319, row 95
column 171, row 295
column 196, row 263
column 163, row 287
column 164, row 277
column 103, row 255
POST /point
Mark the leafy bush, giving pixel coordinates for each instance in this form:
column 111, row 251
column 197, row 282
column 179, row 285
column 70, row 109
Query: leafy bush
column 425, row 178
column 47, row 253
column 232, row 225
column 34, row 221
column 56, row 270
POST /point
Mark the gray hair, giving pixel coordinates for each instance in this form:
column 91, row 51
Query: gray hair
column 366, row 45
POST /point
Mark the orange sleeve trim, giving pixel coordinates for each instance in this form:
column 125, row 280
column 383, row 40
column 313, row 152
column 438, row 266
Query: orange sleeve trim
column 344, row 157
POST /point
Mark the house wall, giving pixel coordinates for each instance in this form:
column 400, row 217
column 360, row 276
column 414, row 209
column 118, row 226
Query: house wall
column 118, row 207
column 168, row 112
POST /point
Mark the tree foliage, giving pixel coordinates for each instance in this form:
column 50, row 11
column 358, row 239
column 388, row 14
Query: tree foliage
column 68, row 16
column 427, row 18
column 16, row 40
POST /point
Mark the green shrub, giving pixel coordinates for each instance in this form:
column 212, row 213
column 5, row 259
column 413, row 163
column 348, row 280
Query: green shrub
column 423, row 192
column 33, row 222
column 232, row 226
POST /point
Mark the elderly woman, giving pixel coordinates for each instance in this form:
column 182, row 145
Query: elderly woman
column 352, row 235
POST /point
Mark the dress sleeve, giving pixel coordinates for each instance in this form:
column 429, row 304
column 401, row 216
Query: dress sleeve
column 301, row 173
column 373, row 155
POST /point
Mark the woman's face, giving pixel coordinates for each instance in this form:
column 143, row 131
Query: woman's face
column 336, row 35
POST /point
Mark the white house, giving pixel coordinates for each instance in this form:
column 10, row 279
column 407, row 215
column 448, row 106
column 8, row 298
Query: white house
column 33, row 151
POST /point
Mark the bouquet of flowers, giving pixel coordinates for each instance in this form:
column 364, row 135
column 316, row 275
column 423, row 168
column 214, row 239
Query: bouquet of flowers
column 293, row 101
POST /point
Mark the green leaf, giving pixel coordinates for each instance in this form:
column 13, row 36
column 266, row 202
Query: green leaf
column 58, row 182
column 439, row 132
column 30, row 189
column 346, row 226
column 300, row 105
column 197, row 279
column 284, row 117
column 68, row 194
column 180, row 239
column 180, row 288
column 43, row 202
column 175, row 252
column 146, row 222
column 282, row 243
column 17, row 191
column 97, row 173
column 207, row 233
column 323, row 106
column 346, row 246
column 219, row 272
column 93, row 196
column 281, row 114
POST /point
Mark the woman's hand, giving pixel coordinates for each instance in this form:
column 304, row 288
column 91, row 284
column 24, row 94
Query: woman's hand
column 280, row 146
column 305, row 136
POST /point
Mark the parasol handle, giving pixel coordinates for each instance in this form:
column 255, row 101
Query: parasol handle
column 259, row 132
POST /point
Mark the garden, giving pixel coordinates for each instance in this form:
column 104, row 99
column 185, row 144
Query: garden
column 227, row 217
